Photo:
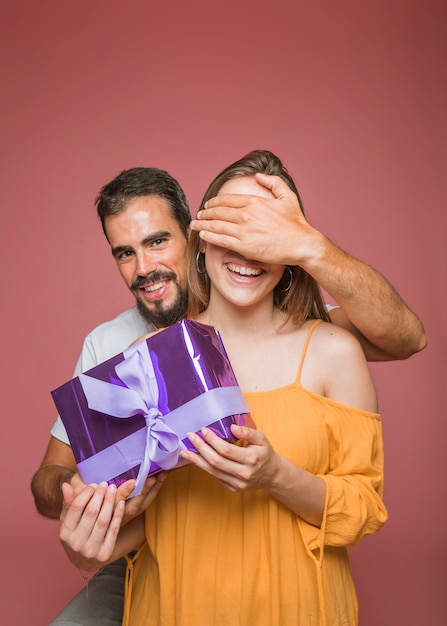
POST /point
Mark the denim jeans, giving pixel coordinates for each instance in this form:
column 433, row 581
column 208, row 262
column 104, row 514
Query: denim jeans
column 103, row 605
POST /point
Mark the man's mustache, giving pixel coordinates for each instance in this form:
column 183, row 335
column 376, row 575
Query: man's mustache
column 154, row 277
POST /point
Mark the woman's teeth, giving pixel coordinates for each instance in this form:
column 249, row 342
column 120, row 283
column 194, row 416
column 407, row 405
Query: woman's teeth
column 244, row 271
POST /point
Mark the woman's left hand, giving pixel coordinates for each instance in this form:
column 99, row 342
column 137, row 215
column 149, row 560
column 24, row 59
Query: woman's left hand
column 238, row 468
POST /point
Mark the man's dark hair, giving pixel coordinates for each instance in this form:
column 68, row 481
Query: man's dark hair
column 143, row 181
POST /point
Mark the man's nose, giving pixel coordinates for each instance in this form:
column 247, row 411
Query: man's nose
column 146, row 263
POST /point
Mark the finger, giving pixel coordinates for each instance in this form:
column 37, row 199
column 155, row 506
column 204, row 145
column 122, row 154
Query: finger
column 275, row 184
column 100, row 543
column 150, row 496
column 72, row 511
column 227, row 201
column 94, row 506
column 194, row 458
column 105, row 514
column 113, row 530
column 71, row 517
column 227, row 241
column 161, row 477
column 97, row 518
column 250, row 435
column 213, row 448
column 213, row 222
column 225, row 221
column 125, row 489
column 134, row 506
column 68, row 494
column 109, row 515
column 222, row 468
column 77, row 483
column 137, row 505
column 204, row 452
column 148, row 484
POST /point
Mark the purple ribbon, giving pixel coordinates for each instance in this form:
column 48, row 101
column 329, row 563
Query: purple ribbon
column 163, row 433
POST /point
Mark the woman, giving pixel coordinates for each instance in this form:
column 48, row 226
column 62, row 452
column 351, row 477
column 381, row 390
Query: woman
column 258, row 534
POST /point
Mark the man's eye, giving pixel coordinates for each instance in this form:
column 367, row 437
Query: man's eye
column 122, row 256
column 157, row 242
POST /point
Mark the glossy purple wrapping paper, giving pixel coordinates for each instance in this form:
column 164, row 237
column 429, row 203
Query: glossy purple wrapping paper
column 128, row 417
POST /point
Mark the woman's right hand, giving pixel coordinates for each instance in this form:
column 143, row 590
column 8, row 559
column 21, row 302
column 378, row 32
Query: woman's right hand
column 89, row 524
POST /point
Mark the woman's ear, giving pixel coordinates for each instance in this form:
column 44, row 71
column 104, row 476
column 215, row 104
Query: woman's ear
column 202, row 246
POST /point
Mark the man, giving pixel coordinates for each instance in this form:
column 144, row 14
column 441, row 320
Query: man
column 145, row 217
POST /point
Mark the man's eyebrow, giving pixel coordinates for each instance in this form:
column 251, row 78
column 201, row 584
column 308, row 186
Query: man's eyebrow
column 160, row 234
column 119, row 249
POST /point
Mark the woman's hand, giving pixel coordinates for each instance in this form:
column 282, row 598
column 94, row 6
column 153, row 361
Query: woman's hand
column 258, row 466
column 237, row 468
column 138, row 504
column 90, row 523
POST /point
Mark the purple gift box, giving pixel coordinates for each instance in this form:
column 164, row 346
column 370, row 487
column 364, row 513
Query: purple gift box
column 128, row 417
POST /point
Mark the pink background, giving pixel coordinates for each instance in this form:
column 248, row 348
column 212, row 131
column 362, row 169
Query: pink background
column 352, row 96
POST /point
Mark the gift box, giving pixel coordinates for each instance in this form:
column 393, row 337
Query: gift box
column 128, row 417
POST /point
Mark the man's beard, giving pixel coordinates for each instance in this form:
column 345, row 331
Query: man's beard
column 160, row 317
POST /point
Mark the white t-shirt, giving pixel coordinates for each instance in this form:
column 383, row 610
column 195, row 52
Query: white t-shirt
column 103, row 342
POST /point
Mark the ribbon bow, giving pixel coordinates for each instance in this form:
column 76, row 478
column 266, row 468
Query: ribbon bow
column 140, row 396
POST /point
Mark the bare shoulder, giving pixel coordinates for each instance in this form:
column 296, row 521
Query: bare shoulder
column 339, row 359
column 336, row 341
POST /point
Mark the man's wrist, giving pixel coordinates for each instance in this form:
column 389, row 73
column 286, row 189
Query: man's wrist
column 319, row 252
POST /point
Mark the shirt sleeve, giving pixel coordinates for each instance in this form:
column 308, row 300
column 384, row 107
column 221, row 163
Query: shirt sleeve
column 354, row 480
